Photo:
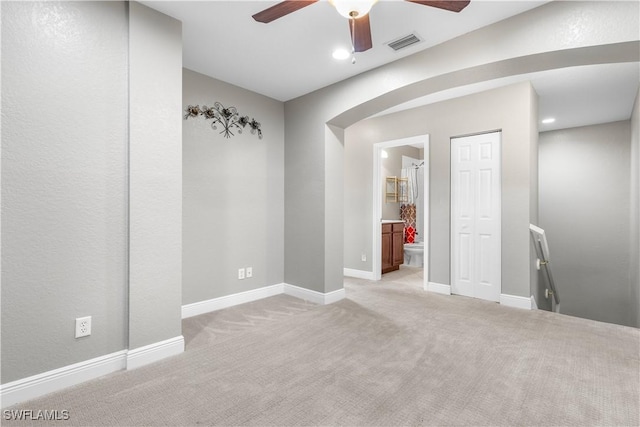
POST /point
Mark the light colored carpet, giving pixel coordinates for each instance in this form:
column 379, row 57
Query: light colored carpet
column 389, row 354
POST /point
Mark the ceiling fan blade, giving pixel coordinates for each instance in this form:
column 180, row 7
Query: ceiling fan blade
column 451, row 5
column 361, row 33
column 281, row 9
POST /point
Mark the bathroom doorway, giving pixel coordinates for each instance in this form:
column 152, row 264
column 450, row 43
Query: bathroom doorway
column 379, row 181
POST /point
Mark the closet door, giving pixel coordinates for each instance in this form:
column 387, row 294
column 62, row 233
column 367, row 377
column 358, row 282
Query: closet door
column 475, row 216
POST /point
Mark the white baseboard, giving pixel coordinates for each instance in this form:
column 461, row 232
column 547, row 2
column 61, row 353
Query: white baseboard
column 438, row 288
column 197, row 308
column 57, row 379
column 153, row 352
column 534, row 304
column 67, row 376
column 359, row 274
column 314, row 296
column 515, row 301
column 202, row 307
column 335, row 296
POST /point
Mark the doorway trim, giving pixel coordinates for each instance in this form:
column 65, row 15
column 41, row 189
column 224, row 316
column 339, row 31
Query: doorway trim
column 376, row 255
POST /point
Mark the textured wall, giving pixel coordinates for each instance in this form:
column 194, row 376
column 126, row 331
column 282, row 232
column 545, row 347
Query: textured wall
column 535, row 276
column 155, row 189
column 584, row 210
column 508, row 109
column 64, row 182
column 558, row 34
column 233, row 198
column 635, row 214
column 304, row 188
column 333, row 207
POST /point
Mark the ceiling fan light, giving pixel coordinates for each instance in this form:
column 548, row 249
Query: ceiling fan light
column 341, row 54
column 353, row 8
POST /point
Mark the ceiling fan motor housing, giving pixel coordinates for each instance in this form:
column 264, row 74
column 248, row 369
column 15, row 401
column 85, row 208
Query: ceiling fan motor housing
column 356, row 11
column 353, row 8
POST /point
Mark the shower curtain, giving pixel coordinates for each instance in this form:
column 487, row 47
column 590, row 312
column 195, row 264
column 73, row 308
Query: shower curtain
column 412, row 188
column 408, row 211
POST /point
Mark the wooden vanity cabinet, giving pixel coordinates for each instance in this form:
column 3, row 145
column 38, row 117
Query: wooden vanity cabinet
column 392, row 246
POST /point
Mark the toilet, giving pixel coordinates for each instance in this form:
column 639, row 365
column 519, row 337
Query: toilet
column 413, row 254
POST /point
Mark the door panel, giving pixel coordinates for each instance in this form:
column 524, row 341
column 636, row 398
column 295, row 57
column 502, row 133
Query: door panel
column 475, row 216
column 464, row 153
column 465, row 256
column 484, row 249
column 486, row 153
column 484, row 193
column 464, row 195
column 386, row 245
column 398, row 247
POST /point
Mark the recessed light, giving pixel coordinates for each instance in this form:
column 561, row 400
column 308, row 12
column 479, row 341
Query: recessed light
column 384, row 154
column 341, row 54
column 548, row 120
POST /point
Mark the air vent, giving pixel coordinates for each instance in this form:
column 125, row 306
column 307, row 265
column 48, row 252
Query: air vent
column 403, row 42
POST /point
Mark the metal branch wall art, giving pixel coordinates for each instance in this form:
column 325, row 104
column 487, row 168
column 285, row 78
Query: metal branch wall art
column 227, row 117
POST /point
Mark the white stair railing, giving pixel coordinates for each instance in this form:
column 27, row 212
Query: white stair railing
column 542, row 251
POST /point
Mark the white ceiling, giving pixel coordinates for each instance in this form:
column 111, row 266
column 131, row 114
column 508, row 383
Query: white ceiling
column 291, row 56
column 576, row 96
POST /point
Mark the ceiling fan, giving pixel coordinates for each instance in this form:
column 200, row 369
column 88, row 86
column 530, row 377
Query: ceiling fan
column 356, row 11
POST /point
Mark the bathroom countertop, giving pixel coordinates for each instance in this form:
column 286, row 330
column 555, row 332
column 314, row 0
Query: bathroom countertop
column 390, row 221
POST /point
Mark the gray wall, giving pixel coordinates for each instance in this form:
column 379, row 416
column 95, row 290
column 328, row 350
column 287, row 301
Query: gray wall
column 535, row 276
column 333, row 207
column 635, row 214
column 556, row 35
column 65, row 164
column 233, row 212
column 356, row 183
column 64, row 182
column 509, row 109
column 155, row 176
column 91, row 181
column 584, row 210
column 304, row 247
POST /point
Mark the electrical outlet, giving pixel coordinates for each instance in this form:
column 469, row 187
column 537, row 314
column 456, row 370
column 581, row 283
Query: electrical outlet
column 249, row 272
column 241, row 273
column 363, row 257
column 83, row 326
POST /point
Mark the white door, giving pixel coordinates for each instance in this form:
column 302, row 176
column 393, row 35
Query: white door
column 475, row 216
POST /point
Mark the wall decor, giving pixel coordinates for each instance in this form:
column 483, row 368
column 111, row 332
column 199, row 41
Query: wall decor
column 227, row 117
column 396, row 189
